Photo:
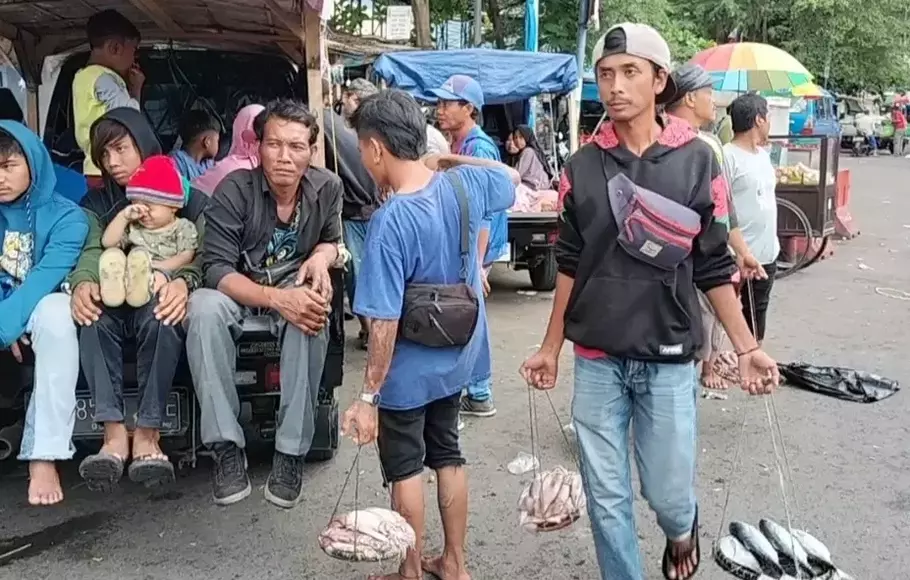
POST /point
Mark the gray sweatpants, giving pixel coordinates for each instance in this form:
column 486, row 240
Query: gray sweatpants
column 214, row 324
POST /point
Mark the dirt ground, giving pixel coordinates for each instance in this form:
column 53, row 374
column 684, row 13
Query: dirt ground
column 850, row 461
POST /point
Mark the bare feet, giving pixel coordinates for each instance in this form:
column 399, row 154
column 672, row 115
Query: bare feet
column 711, row 380
column 684, row 559
column 145, row 444
column 444, row 568
column 43, row 483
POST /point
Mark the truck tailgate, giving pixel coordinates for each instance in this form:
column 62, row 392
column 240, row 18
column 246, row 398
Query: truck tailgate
column 544, row 218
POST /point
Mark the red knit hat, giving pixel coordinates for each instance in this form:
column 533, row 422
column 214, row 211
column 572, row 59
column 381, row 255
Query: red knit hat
column 157, row 181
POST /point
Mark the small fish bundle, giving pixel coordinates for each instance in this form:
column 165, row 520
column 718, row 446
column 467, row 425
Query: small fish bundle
column 368, row 535
column 773, row 552
column 554, row 500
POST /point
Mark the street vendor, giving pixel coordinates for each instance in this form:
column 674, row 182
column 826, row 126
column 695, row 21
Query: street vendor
column 460, row 101
column 631, row 308
column 694, row 103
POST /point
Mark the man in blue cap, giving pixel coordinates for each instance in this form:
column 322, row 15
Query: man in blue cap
column 458, row 110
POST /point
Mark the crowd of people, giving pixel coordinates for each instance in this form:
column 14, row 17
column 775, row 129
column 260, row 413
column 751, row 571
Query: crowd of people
column 167, row 254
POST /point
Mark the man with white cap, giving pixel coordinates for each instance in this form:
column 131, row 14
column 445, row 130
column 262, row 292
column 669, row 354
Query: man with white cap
column 458, row 110
column 639, row 231
column 694, row 103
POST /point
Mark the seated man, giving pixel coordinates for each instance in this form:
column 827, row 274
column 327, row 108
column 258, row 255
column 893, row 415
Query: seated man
column 283, row 212
column 42, row 236
column 200, row 134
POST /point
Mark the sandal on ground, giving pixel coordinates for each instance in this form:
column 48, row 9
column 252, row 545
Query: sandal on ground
column 101, row 471
column 674, row 554
column 151, row 471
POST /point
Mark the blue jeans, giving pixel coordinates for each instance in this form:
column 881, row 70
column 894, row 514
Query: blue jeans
column 355, row 235
column 660, row 401
column 481, row 390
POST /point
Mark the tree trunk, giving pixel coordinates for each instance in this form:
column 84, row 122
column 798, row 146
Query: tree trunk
column 495, row 13
column 421, row 11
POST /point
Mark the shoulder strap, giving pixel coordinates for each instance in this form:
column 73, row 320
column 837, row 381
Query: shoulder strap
column 465, row 208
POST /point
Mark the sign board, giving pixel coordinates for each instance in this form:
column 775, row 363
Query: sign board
column 399, row 23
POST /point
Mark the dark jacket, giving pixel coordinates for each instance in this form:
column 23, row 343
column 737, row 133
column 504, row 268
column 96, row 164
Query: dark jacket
column 242, row 216
column 361, row 196
column 620, row 305
column 102, row 204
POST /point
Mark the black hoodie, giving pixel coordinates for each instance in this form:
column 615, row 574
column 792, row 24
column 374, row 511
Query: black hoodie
column 620, row 305
column 101, row 204
column 361, row 196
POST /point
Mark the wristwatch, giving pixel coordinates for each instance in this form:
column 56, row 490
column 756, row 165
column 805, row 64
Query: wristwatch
column 370, row 398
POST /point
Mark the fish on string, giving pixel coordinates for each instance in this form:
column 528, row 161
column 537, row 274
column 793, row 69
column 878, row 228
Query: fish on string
column 793, row 557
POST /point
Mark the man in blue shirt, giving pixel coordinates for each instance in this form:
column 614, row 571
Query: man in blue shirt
column 411, row 392
column 458, row 110
column 200, row 134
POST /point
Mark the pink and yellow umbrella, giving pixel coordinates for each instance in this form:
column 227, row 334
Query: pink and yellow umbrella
column 752, row 66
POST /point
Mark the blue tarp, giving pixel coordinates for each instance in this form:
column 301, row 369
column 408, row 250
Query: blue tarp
column 505, row 75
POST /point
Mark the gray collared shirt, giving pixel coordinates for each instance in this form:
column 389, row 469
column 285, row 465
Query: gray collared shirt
column 242, row 215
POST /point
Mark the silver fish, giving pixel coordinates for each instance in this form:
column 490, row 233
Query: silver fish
column 760, row 547
column 734, row 558
column 792, row 552
column 818, row 553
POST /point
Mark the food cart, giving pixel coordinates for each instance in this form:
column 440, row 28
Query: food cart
column 806, row 167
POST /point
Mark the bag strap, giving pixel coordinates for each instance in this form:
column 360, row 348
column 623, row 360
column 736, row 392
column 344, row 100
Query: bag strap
column 465, row 208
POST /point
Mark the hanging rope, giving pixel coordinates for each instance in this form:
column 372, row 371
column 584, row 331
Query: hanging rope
column 781, row 459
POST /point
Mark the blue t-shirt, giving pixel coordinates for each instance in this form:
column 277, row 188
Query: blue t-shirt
column 189, row 167
column 416, row 238
column 478, row 144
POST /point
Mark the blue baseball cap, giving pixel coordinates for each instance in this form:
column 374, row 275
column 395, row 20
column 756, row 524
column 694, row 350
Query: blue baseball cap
column 460, row 88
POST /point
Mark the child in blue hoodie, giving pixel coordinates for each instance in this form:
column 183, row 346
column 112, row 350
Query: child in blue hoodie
column 42, row 235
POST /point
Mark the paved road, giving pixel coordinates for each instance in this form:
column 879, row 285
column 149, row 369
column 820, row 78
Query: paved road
column 851, row 462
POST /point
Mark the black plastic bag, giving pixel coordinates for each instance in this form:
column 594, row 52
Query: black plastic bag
column 839, row 382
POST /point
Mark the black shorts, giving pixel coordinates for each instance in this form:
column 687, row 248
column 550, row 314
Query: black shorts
column 428, row 435
column 761, row 291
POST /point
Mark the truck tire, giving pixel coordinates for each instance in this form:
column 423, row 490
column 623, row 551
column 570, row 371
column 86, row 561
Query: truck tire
column 543, row 275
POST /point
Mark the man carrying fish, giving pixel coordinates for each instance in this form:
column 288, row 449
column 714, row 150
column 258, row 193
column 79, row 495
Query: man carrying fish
column 629, row 264
column 421, row 244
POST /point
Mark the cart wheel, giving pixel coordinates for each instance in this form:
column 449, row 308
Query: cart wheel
column 543, row 274
column 788, row 267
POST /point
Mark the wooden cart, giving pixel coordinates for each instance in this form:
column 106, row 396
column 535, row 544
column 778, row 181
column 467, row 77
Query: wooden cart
column 807, row 167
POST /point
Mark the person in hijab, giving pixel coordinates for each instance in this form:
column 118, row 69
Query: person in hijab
column 530, row 161
column 121, row 140
column 534, row 193
column 244, row 153
column 42, row 235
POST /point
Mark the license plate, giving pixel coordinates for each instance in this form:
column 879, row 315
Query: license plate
column 85, row 412
column 266, row 348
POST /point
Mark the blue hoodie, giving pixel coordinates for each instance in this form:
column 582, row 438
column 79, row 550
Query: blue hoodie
column 52, row 227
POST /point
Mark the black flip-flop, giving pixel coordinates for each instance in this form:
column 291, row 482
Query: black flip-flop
column 674, row 558
column 151, row 472
column 101, row 471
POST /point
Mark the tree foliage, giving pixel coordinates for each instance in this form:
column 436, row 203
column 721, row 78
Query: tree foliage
column 847, row 44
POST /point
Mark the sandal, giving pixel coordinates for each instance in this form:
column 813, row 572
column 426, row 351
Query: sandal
column 674, row 556
column 152, row 471
column 101, row 471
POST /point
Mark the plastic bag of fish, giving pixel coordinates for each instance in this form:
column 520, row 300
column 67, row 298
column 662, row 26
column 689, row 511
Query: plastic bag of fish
column 554, row 500
column 770, row 551
column 368, row 535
